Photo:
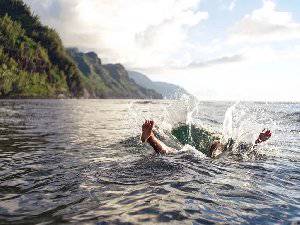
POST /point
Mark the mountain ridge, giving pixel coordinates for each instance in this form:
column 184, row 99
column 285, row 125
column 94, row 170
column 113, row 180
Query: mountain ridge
column 108, row 80
column 167, row 90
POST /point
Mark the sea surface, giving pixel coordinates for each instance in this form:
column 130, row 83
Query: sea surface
column 81, row 162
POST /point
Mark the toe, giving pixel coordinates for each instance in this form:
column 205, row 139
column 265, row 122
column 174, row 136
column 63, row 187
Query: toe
column 151, row 123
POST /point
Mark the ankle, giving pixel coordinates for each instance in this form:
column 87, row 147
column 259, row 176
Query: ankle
column 151, row 137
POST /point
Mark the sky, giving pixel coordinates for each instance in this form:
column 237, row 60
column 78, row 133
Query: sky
column 215, row 49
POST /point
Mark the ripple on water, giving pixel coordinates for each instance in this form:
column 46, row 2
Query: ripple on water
column 75, row 161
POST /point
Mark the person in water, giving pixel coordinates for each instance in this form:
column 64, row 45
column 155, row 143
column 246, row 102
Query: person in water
column 216, row 147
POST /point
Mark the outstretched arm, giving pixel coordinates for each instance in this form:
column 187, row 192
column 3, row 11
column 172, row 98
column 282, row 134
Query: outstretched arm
column 148, row 135
column 263, row 136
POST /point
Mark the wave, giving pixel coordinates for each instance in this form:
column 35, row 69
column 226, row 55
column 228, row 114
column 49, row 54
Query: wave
column 191, row 135
column 295, row 117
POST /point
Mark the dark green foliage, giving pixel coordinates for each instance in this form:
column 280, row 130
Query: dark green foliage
column 19, row 83
column 194, row 136
column 79, row 59
column 28, row 47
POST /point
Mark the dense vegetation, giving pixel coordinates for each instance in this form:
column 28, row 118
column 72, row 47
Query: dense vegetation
column 110, row 80
column 33, row 61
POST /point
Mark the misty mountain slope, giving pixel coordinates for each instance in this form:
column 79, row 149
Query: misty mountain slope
column 167, row 90
column 108, row 80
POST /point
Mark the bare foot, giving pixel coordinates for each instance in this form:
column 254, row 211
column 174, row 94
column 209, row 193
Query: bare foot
column 147, row 130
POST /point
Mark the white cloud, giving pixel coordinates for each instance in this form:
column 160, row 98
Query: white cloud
column 263, row 73
column 156, row 37
column 217, row 61
column 137, row 33
column 264, row 25
column 232, row 5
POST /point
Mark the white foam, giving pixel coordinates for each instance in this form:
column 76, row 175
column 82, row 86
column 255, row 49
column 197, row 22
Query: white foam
column 193, row 151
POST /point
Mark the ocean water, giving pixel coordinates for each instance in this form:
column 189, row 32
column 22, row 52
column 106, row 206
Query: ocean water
column 81, row 161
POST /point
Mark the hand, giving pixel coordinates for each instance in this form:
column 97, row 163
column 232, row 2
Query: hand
column 263, row 136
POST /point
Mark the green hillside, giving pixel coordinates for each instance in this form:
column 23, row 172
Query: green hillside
column 108, row 81
column 33, row 61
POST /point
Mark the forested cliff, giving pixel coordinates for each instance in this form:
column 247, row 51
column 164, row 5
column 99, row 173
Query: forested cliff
column 34, row 63
column 108, row 80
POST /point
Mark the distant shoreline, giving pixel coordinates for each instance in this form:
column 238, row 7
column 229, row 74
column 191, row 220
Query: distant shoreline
column 149, row 99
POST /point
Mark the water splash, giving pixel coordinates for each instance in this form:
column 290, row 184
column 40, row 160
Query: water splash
column 241, row 122
column 228, row 123
column 190, row 149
